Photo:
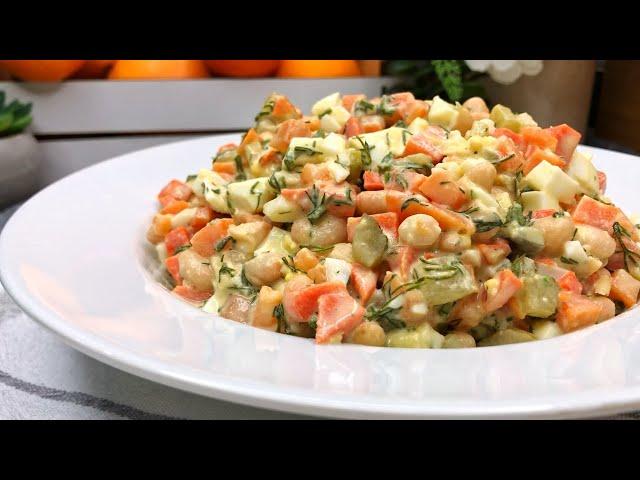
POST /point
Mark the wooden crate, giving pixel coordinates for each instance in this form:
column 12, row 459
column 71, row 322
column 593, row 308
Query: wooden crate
column 81, row 122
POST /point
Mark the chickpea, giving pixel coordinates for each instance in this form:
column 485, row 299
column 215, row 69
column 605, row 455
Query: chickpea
column 342, row 251
column 485, row 237
column 476, row 105
column 556, row 231
column 469, row 311
column 454, row 241
column 482, row 174
column 419, row 231
column 236, row 308
column 195, row 270
column 608, row 308
column 372, row 202
column 464, row 121
column 458, row 340
column 596, row 242
column 264, row 269
column 262, row 312
column 368, row 333
column 329, row 230
column 414, row 308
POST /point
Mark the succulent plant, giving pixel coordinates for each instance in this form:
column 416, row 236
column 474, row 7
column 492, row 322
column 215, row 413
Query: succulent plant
column 14, row 117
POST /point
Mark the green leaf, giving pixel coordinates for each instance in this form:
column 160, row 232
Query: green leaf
column 6, row 119
column 22, row 110
column 2, row 98
column 450, row 74
column 19, row 125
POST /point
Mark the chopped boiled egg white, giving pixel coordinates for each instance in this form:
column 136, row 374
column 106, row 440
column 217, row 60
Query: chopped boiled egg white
column 442, row 114
column 456, row 145
column 582, row 171
column 281, row 210
column 206, row 177
column 337, row 270
column 543, row 329
column 392, row 139
column 454, row 168
column 250, row 195
column 278, row 241
column 326, row 103
column 183, row 217
column 216, row 196
column 335, row 119
column 338, row 172
column 332, row 144
column 574, row 252
column 161, row 250
column 532, row 201
column 482, row 128
column 418, row 125
column 553, row 181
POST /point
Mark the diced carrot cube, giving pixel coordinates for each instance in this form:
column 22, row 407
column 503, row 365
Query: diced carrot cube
column 224, row 167
column 542, row 213
column 576, row 311
column 402, row 259
column 539, row 137
column 284, row 108
column 441, row 188
column 203, row 216
column 364, row 281
column 508, row 285
column 594, row 213
column 569, row 282
column 191, row 294
column 373, row 181
column 422, row 143
column 624, row 288
column 175, row 206
column 516, row 138
column 173, row 267
column 353, row 127
column 371, row 123
column 496, row 251
column 177, row 237
column 348, row 101
column 338, row 313
column 300, row 304
column 286, row 131
column 175, row 190
column 312, row 173
column 305, row 259
column 536, row 155
column 204, row 241
column 567, row 138
column 602, row 182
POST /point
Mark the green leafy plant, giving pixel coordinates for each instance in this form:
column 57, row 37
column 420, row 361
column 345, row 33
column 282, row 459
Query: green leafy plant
column 450, row 79
column 14, row 117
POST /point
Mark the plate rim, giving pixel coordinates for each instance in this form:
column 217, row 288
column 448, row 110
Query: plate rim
column 278, row 398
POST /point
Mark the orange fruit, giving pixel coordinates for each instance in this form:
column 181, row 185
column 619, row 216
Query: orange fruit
column 157, row 69
column 318, row 68
column 94, row 69
column 41, row 70
column 243, row 68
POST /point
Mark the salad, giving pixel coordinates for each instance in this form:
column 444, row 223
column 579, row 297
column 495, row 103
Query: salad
column 399, row 222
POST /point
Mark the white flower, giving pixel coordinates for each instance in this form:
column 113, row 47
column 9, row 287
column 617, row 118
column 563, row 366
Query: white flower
column 506, row 71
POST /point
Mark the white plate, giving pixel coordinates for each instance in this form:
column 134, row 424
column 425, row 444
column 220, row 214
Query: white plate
column 74, row 257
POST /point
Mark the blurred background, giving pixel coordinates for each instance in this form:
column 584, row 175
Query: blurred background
column 57, row 116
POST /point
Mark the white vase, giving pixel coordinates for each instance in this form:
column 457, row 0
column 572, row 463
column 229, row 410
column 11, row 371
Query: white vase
column 19, row 162
column 561, row 93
